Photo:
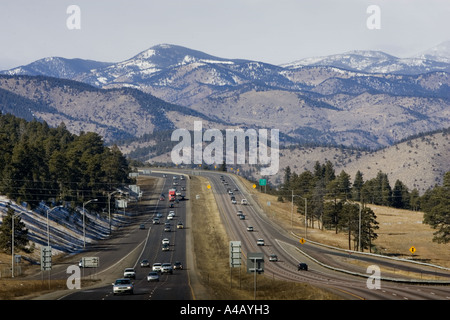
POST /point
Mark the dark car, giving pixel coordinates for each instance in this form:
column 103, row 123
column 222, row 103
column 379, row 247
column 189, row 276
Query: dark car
column 302, row 266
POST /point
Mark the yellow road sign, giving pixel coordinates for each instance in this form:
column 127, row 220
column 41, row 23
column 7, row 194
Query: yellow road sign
column 412, row 249
column 302, row 241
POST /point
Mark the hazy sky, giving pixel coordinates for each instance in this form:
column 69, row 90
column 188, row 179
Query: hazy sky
column 273, row 31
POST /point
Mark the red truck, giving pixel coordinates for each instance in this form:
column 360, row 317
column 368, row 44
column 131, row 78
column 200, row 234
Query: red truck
column 172, row 194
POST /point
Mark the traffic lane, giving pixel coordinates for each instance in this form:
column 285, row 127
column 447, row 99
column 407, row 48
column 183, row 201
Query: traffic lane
column 173, row 286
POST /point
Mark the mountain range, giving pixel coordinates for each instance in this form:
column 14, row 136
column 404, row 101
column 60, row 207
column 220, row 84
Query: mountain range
column 363, row 99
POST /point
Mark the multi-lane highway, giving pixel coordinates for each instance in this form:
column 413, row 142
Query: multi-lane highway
column 132, row 244
column 142, row 240
column 290, row 252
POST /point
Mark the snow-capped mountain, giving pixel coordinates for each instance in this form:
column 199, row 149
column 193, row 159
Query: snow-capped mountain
column 440, row 53
column 57, row 67
column 380, row 62
column 360, row 98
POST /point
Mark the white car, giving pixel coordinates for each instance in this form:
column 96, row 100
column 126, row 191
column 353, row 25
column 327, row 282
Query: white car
column 156, row 267
column 166, row 268
column 165, row 241
column 153, row 276
column 260, row 242
column 123, row 286
column 129, row 273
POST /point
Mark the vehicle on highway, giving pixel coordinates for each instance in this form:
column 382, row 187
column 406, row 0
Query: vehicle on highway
column 129, row 273
column 242, row 216
column 156, row 267
column 166, row 268
column 159, row 215
column 165, row 247
column 239, row 212
column 180, row 225
column 250, row 228
column 153, row 276
column 142, row 226
column 167, row 228
column 244, row 201
column 123, row 286
column 302, row 266
column 260, row 242
column 177, row 265
column 145, row 263
column 165, row 241
column 273, row 257
column 156, row 220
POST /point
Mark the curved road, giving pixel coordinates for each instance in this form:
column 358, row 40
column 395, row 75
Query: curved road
column 290, row 252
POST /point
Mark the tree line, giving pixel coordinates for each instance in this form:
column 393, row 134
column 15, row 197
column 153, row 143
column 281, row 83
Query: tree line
column 335, row 201
column 39, row 163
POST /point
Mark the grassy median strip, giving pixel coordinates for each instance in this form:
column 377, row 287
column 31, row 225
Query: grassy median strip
column 212, row 258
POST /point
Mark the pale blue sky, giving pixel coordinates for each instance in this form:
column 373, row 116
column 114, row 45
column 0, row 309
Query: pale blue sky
column 273, row 31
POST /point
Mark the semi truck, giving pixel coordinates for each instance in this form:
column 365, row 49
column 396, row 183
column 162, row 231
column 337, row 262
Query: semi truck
column 172, row 194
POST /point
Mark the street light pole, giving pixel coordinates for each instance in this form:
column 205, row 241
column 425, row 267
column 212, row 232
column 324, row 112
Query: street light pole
column 109, row 207
column 292, row 212
column 48, row 229
column 84, row 225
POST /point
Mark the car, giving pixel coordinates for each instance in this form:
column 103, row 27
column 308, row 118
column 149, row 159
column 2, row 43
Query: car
column 165, row 247
column 233, row 201
column 250, row 228
column 156, row 220
column 162, row 198
column 177, row 265
column 170, row 217
column 171, row 205
column 302, row 266
column 142, row 226
column 166, row 268
column 129, row 273
column 123, row 286
column 167, row 228
column 180, row 225
column 239, row 212
column 156, row 267
column 171, row 213
column 244, row 201
column 145, row 263
column 273, row 257
column 165, row 241
column 260, row 242
column 153, row 276
column 242, row 216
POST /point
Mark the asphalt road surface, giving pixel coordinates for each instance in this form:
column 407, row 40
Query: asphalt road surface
column 290, row 252
column 133, row 244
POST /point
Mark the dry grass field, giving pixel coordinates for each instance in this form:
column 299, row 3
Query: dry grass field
column 398, row 231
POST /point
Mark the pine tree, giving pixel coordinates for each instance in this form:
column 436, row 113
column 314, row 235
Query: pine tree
column 20, row 232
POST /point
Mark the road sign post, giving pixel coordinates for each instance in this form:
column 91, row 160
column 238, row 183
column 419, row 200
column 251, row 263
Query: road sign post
column 46, row 258
column 255, row 264
column 235, row 257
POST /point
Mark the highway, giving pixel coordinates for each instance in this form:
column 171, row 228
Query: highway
column 133, row 244
column 290, row 252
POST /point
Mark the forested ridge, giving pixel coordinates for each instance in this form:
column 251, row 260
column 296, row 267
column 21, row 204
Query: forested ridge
column 334, row 201
column 39, row 163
